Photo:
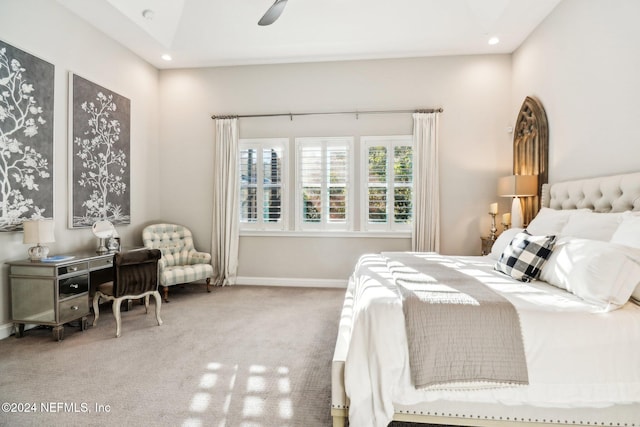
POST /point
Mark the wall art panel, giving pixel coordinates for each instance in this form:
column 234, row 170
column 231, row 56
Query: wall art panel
column 100, row 123
column 26, row 137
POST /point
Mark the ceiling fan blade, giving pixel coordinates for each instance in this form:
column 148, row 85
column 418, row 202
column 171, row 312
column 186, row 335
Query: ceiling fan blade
column 273, row 13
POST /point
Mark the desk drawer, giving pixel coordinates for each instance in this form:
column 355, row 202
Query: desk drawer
column 74, row 308
column 72, row 268
column 73, row 286
column 101, row 263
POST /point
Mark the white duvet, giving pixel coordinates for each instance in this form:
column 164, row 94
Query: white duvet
column 576, row 355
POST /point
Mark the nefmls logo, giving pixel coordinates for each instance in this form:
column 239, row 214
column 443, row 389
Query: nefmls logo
column 66, row 407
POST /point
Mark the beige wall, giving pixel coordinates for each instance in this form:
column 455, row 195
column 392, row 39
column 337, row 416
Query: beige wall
column 582, row 62
column 474, row 144
column 47, row 30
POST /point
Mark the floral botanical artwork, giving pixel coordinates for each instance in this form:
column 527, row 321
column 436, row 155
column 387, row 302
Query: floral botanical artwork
column 26, row 137
column 100, row 149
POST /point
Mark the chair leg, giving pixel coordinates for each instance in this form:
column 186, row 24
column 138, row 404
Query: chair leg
column 208, row 284
column 165, row 290
column 116, row 314
column 146, row 304
column 156, row 295
column 96, row 307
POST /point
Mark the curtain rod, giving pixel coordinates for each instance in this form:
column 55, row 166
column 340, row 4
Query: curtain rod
column 357, row 113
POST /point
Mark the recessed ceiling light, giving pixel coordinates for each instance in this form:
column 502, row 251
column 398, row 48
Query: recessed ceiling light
column 166, row 57
column 494, row 40
column 148, row 14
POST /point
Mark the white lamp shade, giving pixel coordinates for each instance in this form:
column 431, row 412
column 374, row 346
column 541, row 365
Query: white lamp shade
column 38, row 231
column 518, row 185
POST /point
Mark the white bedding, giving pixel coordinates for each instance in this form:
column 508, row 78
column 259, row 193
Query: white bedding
column 577, row 356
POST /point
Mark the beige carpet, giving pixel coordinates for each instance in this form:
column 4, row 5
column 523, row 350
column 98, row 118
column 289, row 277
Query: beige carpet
column 238, row 356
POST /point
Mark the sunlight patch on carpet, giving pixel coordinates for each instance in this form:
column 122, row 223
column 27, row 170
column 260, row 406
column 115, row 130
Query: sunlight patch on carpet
column 253, row 407
column 200, row 402
column 256, row 384
column 208, row 380
column 246, row 390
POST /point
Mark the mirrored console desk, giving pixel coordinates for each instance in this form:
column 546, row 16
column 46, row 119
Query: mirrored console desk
column 56, row 292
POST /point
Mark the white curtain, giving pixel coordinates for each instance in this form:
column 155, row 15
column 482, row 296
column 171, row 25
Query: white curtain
column 426, row 184
column 226, row 229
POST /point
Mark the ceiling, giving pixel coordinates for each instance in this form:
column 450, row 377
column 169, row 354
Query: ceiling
column 206, row 33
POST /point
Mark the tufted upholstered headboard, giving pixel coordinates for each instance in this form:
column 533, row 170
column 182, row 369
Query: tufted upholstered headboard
column 615, row 193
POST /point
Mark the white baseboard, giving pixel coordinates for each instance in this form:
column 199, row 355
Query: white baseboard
column 6, row 330
column 291, row 282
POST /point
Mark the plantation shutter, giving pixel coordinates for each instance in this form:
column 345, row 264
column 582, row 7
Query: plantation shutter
column 262, row 184
column 324, row 183
column 388, row 175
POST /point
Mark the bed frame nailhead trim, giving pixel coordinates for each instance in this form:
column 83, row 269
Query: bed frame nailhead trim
column 516, row 419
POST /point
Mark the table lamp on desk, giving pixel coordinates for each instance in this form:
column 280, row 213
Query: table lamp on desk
column 38, row 231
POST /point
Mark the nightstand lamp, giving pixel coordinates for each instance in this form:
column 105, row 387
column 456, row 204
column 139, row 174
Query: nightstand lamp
column 38, row 231
column 517, row 186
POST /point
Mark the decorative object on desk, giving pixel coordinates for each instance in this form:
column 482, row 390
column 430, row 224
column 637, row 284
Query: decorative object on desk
column 103, row 230
column 517, row 186
column 114, row 242
column 100, row 145
column 493, row 211
column 26, row 137
column 38, row 231
column 506, row 221
column 58, row 258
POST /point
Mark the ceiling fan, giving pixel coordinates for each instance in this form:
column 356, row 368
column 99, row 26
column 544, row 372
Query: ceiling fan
column 273, row 13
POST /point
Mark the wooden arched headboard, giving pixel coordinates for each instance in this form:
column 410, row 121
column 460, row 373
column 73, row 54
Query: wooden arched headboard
column 531, row 150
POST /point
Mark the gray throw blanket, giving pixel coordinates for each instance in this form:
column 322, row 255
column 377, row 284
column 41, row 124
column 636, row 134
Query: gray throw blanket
column 458, row 329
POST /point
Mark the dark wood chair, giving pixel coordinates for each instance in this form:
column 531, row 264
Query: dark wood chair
column 135, row 275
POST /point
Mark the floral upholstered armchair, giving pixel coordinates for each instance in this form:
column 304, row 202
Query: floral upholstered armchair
column 180, row 262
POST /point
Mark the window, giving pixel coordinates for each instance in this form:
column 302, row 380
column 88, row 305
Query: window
column 387, row 199
column 324, row 183
column 263, row 191
column 323, row 187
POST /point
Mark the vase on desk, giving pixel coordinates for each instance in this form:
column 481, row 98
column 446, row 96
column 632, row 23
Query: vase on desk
column 114, row 244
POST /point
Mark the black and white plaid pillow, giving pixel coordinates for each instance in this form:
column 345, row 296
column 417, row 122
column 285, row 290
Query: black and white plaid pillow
column 523, row 258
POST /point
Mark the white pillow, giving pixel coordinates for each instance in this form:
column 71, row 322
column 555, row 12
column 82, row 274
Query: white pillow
column 602, row 273
column 502, row 242
column 592, row 225
column 628, row 234
column 550, row 221
column 628, row 231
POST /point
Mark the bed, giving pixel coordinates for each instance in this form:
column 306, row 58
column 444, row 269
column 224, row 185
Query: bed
column 582, row 356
